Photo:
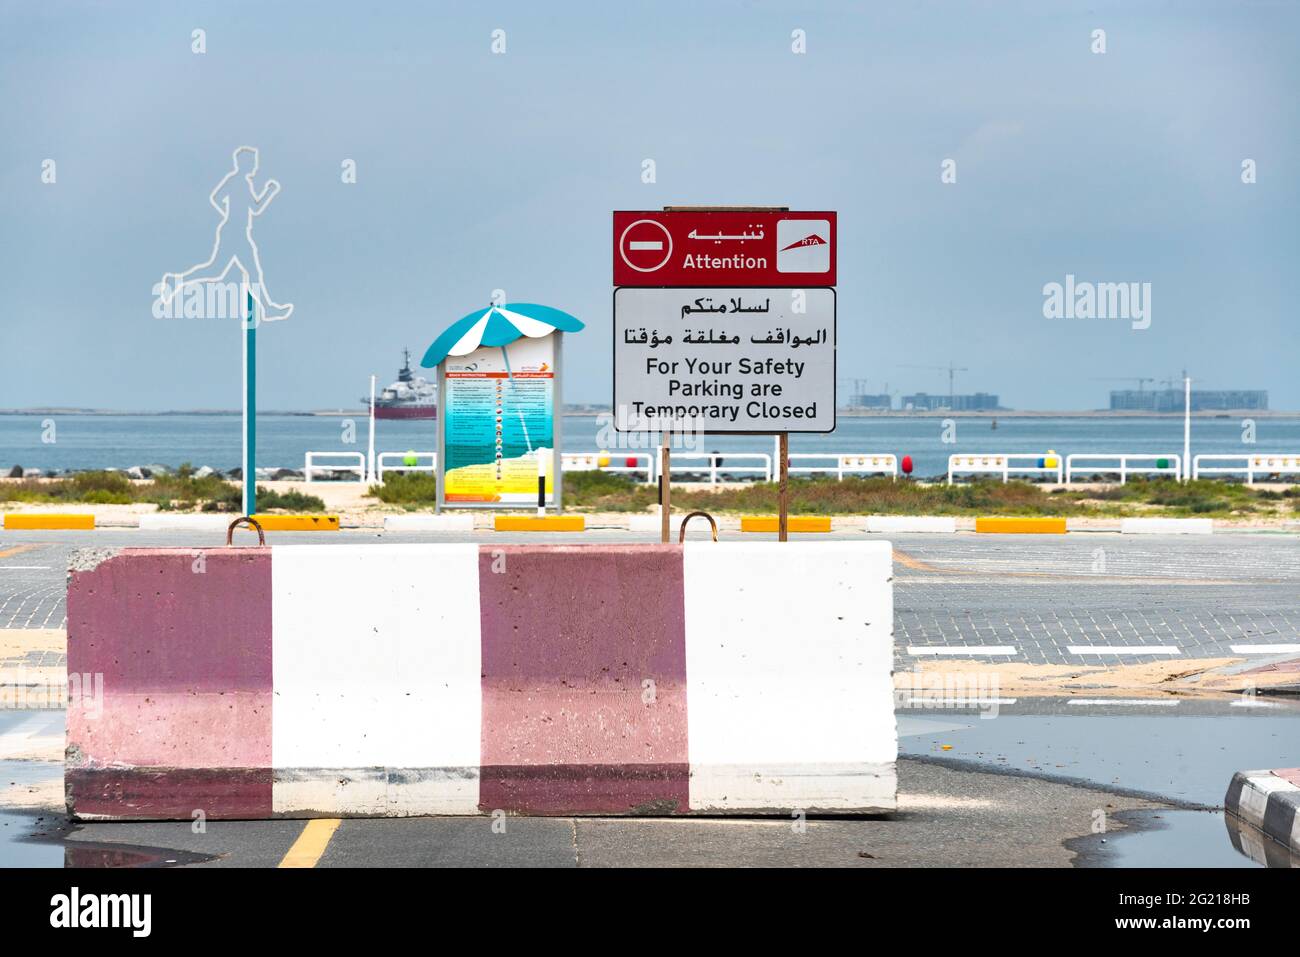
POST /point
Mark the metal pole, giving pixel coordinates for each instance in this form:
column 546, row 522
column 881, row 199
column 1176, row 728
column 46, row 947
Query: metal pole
column 783, row 516
column 541, row 482
column 371, row 467
column 1187, row 427
column 250, row 409
column 665, row 461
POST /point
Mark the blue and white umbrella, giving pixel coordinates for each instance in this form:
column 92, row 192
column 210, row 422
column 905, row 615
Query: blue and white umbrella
column 499, row 326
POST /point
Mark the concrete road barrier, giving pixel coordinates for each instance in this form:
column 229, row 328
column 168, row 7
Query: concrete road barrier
column 794, row 523
column 298, row 523
column 1268, row 801
column 539, row 523
column 1166, row 526
column 391, row 680
column 47, row 520
column 999, row 525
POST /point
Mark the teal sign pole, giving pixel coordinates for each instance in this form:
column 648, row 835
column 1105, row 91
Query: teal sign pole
column 250, row 409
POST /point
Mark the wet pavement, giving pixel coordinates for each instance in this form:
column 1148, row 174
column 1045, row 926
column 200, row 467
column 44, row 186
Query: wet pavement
column 1054, row 784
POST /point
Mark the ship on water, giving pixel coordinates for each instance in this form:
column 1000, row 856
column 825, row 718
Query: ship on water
column 410, row 397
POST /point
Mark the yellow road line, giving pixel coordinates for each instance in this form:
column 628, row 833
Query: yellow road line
column 311, row 843
column 907, row 561
column 17, row 550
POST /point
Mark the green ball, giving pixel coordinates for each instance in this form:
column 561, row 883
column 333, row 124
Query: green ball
column 1162, row 463
column 411, row 459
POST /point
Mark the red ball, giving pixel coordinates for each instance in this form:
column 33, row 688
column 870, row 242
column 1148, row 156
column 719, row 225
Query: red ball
column 630, row 462
column 907, row 465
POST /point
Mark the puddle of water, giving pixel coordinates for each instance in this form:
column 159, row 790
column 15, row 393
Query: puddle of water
column 1172, row 839
column 16, row 847
column 1187, row 757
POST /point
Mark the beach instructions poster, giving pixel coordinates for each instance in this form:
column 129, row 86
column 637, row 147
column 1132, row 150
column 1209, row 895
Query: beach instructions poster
column 496, row 422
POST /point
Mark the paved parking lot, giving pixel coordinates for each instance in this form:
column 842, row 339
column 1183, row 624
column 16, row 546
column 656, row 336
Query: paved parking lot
column 1103, row 598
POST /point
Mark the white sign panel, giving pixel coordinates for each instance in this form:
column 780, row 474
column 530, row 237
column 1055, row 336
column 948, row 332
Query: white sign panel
column 724, row 359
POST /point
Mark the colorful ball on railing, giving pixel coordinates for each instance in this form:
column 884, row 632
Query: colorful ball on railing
column 630, row 461
column 1162, row 463
column 604, row 459
column 410, row 459
column 907, row 465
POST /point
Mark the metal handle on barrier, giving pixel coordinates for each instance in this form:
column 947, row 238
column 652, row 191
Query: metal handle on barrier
column 713, row 526
column 251, row 523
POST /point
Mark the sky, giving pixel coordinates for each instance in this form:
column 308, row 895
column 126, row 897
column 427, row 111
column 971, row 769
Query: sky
column 478, row 171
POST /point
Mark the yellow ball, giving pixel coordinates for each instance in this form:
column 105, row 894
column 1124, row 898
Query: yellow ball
column 604, row 459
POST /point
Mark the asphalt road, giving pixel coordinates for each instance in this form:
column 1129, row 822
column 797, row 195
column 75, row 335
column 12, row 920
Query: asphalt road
column 951, row 818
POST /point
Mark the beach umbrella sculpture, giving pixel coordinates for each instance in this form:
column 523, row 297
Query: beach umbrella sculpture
column 499, row 325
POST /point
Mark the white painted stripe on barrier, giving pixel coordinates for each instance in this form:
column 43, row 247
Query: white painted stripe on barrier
column 911, row 523
column 1265, row 649
column 429, row 523
column 1254, row 795
column 375, row 669
column 777, row 630
column 205, row 522
column 1166, row 526
column 917, row 651
column 1123, row 650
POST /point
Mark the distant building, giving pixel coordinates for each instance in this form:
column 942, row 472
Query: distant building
column 1203, row 400
column 977, row 402
column 864, row 401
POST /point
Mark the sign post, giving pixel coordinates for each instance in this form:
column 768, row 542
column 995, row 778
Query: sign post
column 249, row 465
column 724, row 321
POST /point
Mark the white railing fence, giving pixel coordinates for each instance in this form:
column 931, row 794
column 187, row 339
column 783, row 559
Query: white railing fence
column 399, row 463
column 1004, row 463
column 721, row 463
column 846, row 464
column 312, row 465
column 1123, row 464
column 590, row 461
column 1250, row 465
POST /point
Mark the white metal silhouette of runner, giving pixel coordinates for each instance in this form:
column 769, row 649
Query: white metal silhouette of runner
column 235, row 247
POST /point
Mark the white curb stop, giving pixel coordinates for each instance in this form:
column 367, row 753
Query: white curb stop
column 1166, row 526
column 1267, row 800
column 912, row 523
column 429, row 523
column 210, row 521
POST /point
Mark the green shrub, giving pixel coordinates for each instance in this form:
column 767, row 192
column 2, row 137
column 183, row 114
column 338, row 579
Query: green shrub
column 406, row 488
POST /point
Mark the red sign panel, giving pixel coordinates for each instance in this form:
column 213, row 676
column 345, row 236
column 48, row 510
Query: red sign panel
column 731, row 248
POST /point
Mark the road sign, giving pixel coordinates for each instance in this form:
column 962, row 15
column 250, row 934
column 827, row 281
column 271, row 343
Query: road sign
column 724, row 359
column 730, row 247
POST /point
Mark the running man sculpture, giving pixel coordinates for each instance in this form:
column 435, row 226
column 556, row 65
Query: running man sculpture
column 238, row 206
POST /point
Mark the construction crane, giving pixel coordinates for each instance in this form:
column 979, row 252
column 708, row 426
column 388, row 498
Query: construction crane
column 952, row 371
column 1140, row 380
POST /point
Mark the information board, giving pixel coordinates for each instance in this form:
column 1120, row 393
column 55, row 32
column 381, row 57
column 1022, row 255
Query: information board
column 494, row 422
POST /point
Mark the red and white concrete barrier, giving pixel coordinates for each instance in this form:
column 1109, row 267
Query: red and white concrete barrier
column 387, row 680
column 1268, row 801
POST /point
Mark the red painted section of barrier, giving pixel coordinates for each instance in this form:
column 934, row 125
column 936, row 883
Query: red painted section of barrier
column 179, row 641
column 584, row 679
